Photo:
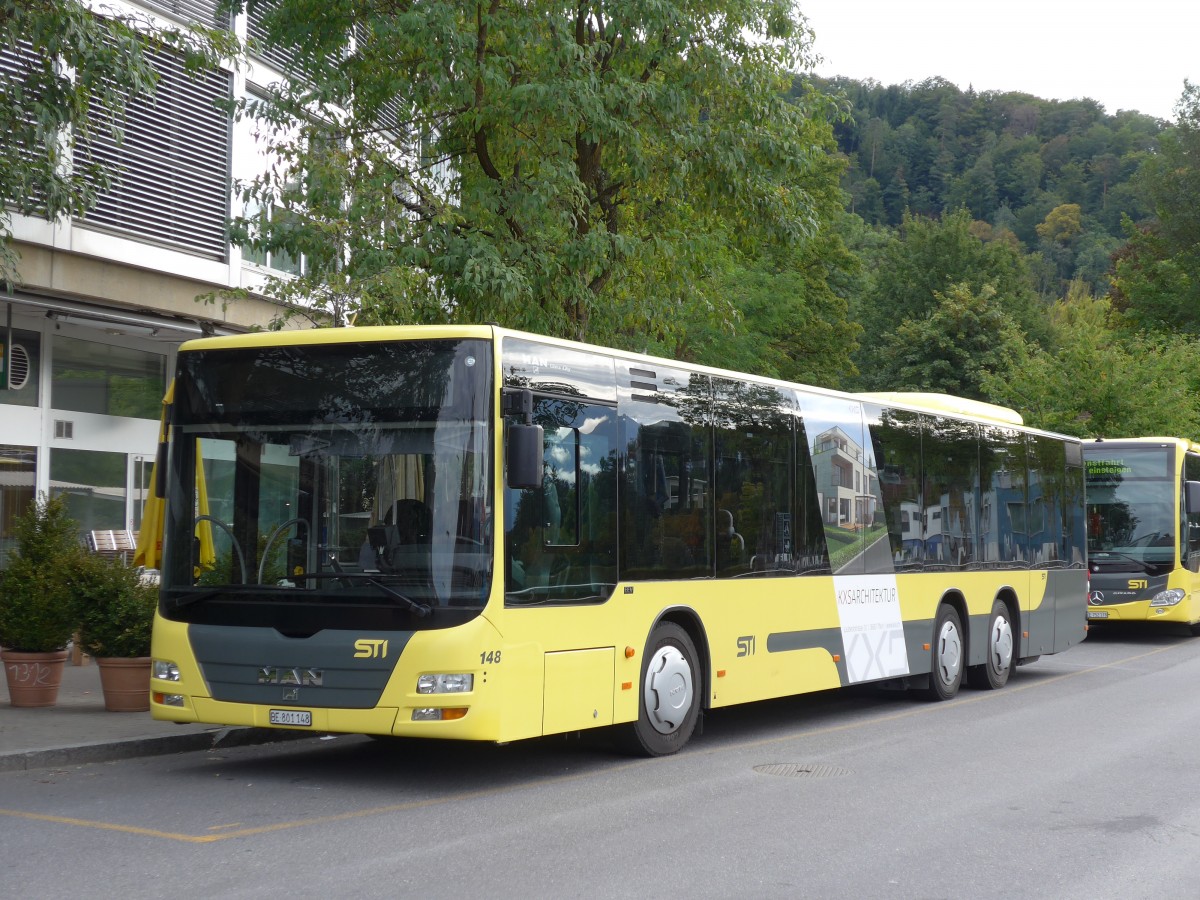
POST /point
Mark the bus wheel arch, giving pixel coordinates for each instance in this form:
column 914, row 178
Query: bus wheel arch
column 948, row 650
column 1001, row 646
column 672, row 688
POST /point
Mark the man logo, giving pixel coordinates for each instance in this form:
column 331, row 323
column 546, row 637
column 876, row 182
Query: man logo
column 1138, row 584
column 283, row 675
column 1096, row 598
column 368, row 648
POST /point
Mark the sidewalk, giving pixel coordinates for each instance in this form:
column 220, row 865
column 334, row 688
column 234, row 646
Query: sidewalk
column 78, row 729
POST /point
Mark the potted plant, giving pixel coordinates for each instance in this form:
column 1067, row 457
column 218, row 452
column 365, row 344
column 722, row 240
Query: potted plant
column 37, row 614
column 115, row 608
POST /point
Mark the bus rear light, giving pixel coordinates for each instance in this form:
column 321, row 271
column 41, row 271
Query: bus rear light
column 438, row 714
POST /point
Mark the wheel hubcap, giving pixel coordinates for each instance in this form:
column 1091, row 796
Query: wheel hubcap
column 1001, row 643
column 949, row 656
column 668, row 691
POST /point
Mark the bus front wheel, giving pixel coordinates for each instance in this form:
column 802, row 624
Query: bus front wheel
column 993, row 674
column 669, row 701
column 949, row 653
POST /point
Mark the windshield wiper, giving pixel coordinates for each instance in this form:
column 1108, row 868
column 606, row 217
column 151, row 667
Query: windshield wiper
column 1107, row 555
column 200, row 597
column 421, row 610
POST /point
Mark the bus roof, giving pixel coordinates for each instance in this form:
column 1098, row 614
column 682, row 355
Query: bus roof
column 1186, row 443
column 918, row 401
column 944, row 403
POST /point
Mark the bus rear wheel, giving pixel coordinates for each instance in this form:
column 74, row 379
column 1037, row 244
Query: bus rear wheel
column 993, row 674
column 669, row 701
column 949, row 652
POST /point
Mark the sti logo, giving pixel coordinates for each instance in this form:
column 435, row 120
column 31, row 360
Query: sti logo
column 1138, row 584
column 368, row 648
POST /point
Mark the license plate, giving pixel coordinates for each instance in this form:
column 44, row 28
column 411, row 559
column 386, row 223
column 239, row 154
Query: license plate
column 1097, row 613
column 291, row 717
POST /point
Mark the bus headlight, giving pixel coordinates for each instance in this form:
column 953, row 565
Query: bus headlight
column 164, row 670
column 1168, row 597
column 445, row 684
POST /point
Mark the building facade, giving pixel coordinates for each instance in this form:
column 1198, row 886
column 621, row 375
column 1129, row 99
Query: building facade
column 91, row 330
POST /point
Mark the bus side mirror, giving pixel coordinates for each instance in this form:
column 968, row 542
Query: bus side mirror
column 523, row 453
column 1192, row 497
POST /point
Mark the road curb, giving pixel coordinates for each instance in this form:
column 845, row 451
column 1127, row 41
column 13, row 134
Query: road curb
column 108, row 751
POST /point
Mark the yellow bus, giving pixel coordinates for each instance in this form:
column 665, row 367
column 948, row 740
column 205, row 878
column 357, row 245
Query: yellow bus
column 1143, row 504
column 474, row 533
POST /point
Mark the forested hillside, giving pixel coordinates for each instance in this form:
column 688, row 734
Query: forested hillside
column 1056, row 174
column 1039, row 254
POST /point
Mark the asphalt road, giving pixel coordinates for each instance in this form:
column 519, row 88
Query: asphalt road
column 1078, row 780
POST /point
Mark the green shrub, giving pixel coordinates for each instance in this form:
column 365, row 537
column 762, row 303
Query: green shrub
column 115, row 608
column 37, row 612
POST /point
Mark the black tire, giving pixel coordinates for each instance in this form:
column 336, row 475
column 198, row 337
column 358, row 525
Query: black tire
column 1000, row 648
column 668, row 697
column 948, row 655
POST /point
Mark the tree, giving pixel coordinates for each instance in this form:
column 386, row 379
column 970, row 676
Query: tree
column 72, row 72
column 1092, row 381
column 584, row 172
column 964, row 338
column 1062, row 224
column 1157, row 280
column 793, row 320
column 922, row 262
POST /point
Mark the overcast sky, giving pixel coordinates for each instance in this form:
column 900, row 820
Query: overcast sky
column 1125, row 55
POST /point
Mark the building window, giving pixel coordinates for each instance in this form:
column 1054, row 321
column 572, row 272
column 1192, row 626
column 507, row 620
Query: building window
column 93, row 483
column 100, row 378
column 170, row 181
column 253, row 157
column 206, row 12
column 18, row 468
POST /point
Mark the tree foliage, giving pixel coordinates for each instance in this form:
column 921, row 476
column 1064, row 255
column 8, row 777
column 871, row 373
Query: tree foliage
column 1010, row 159
column 1096, row 381
column 73, row 73
column 580, row 171
column 965, row 337
column 917, row 268
column 792, row 322
column 1157, row 278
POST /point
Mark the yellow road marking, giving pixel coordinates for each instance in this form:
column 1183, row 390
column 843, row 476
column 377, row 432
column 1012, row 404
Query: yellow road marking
column 559, row 779
column 302, row 823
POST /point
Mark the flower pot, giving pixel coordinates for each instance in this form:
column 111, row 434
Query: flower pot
column 126, row 683
column 33, row 678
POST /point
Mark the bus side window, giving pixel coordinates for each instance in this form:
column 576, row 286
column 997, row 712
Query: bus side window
column 1189, row 543
column 753, row 427
column 560, row 544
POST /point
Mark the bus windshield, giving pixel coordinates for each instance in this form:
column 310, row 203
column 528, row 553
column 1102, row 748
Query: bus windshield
column 331, row 485
column 1131, row 508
